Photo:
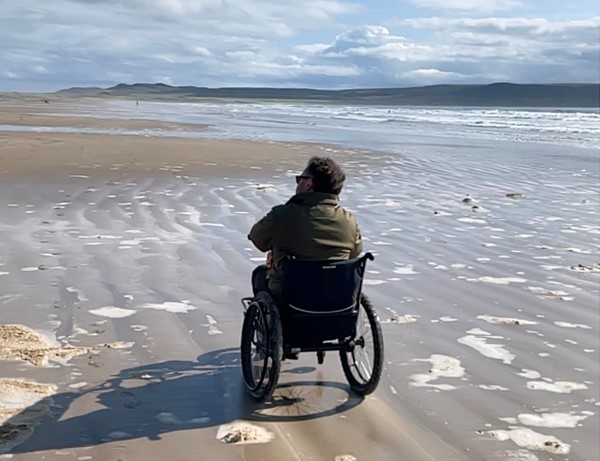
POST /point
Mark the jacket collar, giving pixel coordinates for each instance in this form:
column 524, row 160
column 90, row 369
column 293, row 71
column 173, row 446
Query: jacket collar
column 314, row 198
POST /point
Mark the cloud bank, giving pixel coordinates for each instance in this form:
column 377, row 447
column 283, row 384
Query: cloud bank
column 297, row 43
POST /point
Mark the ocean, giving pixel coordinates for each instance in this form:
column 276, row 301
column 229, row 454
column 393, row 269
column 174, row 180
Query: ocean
column 378, row 127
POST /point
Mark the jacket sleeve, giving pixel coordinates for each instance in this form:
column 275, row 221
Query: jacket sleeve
column 263, row 232
column 357, row 243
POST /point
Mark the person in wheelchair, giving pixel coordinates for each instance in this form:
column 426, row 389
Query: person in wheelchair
column 310, row 226
column 309, row 297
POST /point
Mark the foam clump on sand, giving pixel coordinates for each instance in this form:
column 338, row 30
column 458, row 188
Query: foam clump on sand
column 170, row 306
column 559, row 387
column 112, row 312
column 405, row 270
column 22, row 405
column 402, row 319
column 18, row 342
column 572, row 325
column 530, row 374
column 526, row 438
column 499, row 280
column 544, row 293
column 120, row 312
column 492, row 387
column 442, row 367
column 240, row 432
column 505, row 320
column 493, row 351
column 553, row 420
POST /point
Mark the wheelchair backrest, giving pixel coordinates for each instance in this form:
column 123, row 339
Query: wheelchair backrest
column 323, row 287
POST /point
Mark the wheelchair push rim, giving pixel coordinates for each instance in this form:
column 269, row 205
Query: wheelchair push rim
column 254, row 347
column 362, row 362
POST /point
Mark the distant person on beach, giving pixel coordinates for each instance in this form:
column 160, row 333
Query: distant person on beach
column 311, row 225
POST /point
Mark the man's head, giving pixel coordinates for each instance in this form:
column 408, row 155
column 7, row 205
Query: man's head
column 321, row 174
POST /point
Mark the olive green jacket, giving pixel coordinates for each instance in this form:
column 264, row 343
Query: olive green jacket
column 310, row 226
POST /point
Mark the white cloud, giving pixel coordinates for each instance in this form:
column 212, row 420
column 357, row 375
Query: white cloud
column 167, row 80
column 468, row 50
column 200, row 51
column 534, row 26
column 434, row 75
column 240, row 56
column 313, row 48
column 39, row 70
column 535, row 40
column 480, row 6
column 373, row 41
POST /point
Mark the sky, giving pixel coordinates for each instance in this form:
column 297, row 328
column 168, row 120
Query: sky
column 47, row 45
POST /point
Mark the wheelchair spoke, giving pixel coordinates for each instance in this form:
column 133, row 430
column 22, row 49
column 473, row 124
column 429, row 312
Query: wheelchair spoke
column 258, row 349
column 362, row 364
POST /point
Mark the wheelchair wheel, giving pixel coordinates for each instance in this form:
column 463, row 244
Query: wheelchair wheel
column 261, row 347
column 363, row 362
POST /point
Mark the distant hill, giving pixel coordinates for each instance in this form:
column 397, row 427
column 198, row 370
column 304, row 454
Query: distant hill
column 496, row 94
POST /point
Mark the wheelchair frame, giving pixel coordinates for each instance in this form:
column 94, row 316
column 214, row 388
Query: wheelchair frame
column 263, row 348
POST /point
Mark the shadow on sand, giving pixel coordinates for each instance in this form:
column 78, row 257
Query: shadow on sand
column 151, row 400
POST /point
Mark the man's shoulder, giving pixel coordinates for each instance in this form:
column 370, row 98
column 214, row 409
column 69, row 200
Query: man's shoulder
column 279, row 211
column 347, row 214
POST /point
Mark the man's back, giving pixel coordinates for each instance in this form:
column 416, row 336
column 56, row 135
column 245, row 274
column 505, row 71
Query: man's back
column 311, row 226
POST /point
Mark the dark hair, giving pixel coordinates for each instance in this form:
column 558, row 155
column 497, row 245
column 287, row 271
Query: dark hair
column 327, row 175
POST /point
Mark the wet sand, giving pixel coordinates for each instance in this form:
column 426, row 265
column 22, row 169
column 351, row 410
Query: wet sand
column 133, row 251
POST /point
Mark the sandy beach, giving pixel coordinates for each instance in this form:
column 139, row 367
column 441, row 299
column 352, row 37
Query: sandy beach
column 123, row 260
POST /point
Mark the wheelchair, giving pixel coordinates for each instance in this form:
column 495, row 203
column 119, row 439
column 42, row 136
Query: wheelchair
column 322, row 308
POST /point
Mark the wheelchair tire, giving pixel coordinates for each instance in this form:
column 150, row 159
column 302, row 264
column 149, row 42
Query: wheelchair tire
column 261, row 347
column 363, row 372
